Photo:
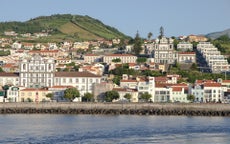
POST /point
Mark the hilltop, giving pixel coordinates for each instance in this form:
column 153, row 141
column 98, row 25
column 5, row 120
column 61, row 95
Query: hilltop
column 64, row 26
column 215, row 35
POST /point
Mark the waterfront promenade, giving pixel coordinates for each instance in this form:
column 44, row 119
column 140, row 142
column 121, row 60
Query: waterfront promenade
column 189, row 109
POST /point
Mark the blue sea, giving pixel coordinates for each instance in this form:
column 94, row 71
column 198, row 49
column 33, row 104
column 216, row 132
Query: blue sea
column 107, row 129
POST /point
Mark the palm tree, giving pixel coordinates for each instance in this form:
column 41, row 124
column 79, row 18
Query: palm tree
column 149, row 35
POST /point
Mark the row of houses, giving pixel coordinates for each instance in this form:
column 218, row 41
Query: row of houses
column 34, row 86
column 166, row 89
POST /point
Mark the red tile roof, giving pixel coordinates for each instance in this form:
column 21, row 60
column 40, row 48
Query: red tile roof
column 91, row 55
column 226, row 81
column 61, row 86
column 119, row 55
column 6, row 74
column 176, row 89
column 125, row 90
column 34, row 89
column 75, row 74
column 212, row 85
column 128, row 80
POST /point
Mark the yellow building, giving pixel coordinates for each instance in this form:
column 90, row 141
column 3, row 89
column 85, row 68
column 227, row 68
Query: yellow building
column 33, row 95
column 197, row 38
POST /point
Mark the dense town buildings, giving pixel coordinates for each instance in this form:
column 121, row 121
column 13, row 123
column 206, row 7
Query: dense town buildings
column 31, row 74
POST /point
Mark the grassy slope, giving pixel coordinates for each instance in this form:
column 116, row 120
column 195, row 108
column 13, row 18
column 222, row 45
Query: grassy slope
column 65, row 27
column 74, row 30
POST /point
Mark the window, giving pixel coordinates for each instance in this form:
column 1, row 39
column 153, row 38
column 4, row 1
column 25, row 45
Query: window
column 49, row 66
column 77, row 80
column 90, row 80
column 64, row 80
column 70, row 80
column 24, row 66
column 83, row 80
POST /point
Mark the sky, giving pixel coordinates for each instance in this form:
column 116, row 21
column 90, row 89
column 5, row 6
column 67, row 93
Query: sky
column 177, row 17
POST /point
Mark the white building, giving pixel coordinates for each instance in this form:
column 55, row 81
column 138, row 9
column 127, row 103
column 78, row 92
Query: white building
column 91, row 58
column 213, row 92
column 16, row 45
column 9, row 79
column 147, row 86
column 83, row 81
column 184, row 46
column 163, row 51
column 216, row 62
column 186, row 57
column 36, row 72
column 125, row 58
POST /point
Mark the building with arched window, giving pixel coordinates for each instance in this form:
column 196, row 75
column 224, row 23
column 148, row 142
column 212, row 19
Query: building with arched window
column 36, row 72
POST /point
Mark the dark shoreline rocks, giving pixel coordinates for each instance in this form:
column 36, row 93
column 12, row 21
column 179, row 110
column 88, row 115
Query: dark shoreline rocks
column 117, row 109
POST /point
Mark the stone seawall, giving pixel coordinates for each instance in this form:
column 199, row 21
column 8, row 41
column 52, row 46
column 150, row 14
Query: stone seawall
column 116, row 109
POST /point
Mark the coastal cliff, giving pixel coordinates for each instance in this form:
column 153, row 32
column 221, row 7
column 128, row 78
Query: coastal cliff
column 117, row 109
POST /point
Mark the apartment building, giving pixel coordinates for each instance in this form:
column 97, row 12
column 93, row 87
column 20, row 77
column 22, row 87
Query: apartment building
column 216, row 62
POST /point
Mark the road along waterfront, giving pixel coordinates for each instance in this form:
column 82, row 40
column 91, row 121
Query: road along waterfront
column 191, row 109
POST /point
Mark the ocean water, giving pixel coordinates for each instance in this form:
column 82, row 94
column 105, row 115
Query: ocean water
column 107, row 129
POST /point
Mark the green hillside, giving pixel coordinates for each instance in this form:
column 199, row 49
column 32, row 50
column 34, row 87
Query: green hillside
column 64, row 26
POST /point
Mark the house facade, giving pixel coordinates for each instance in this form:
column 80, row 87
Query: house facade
column 83, row 81
column 186, row 57
column 36, row 72
column 163, row 51
column 125, row 58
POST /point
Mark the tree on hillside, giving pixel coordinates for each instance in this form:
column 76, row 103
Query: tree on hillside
column 111, row 95
column 141, row 60
column 137, row 44
column 194, row 66
column 117, row 79
column 149, row 35
column 161, row 32
column 71, row 93
column 223, row 38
